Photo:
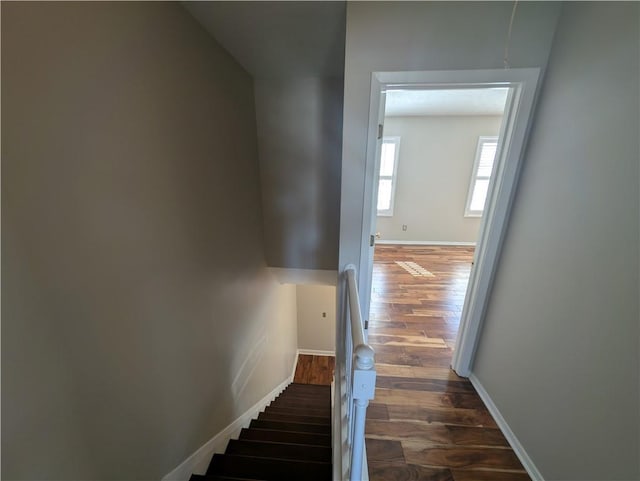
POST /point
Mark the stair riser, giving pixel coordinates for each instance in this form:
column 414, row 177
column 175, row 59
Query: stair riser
column 298, row 385
column 268, row 470
column 310, row 404
column 279, row 451
column 291, row 418
column 309, row 392
column 285, row 437
column 289, row 441
column 297, row 407
column 291, row 427
column 310, row 401
column 298, row 412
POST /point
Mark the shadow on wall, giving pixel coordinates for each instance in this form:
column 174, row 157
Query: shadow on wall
column 299, row 125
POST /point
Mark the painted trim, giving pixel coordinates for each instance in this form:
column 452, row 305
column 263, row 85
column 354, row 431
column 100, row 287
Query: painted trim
column 295, row 365
column 198, row 462
column 523, row 83
column 316, row 352
column 305, row 276
column 517, row 447
column 425, row 243
column 513, row 135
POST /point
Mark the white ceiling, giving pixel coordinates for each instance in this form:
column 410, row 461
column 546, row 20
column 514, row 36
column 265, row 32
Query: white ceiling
column 276, row 39
column 479, row 101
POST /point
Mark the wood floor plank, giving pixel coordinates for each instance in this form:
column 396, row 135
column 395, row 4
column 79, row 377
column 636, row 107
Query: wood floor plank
column 403, row 397
column 408, row 472
column 383, row 451
column 435, row 434
column 415, row 341
column 443, row 373
column 424, row 384
column 377, row 411
column 444, row 430
column 482, row 475
column 460, row 457
column 314, row 370
column 454, row 416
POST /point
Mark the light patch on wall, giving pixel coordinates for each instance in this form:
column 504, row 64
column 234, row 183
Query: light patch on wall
column 416, row 270
column 247, row 368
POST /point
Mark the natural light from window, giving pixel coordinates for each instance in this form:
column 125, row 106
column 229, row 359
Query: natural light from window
column 482, row 169
column 387, row 179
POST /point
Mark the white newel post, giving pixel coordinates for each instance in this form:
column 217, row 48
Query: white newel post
column 364, row 386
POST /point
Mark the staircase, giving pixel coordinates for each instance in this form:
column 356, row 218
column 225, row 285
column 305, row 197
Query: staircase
column 290, row 440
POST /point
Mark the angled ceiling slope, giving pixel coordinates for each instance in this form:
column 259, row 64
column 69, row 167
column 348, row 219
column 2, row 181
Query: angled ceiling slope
column 275, row 39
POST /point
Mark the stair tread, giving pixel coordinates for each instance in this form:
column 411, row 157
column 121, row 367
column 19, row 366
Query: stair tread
column 307, row 388
column 269, row 469
column 289, row 441
column 321, row 404
column 275, row 450
column 291, row 427
column 307, row 392
column 303, row 397
column 317, row 411
column 274, row 435
column 309, row 399
column 295, row 418
column 300, row 385
column 303, row 402
column 299, row 411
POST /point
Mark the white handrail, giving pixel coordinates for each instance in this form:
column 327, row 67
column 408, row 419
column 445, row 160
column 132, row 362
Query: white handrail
column 360, row 377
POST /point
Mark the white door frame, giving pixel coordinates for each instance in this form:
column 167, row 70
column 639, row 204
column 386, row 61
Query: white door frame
column 523, row 84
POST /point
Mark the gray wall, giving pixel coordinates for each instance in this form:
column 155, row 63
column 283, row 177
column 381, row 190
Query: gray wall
column 316, row 332
column 559, row 350
column 299, row 124
column 295, row 52
column 435, row 164
column 134, row 281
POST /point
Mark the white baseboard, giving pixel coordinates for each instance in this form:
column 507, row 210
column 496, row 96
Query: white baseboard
column 295, row 365
column 198, row 462
column 526, row 461
column 316, row 352
column 425, row 243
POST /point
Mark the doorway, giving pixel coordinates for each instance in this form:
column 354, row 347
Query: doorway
column 487, row 195
column 436, row 163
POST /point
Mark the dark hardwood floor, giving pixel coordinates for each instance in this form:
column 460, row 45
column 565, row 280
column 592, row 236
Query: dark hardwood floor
column 426, row 423
column 314, row 370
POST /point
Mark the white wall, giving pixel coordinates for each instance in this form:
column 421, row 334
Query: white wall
column 559, row 349
column 315, row 331
column 128, row 140
column 435, row 165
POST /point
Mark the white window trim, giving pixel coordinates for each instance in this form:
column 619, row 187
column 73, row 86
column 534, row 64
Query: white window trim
column 474, row 176
column 394, row 178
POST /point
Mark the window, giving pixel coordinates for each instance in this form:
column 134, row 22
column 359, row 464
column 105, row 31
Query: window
column 481, row 175
column 388, row 171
